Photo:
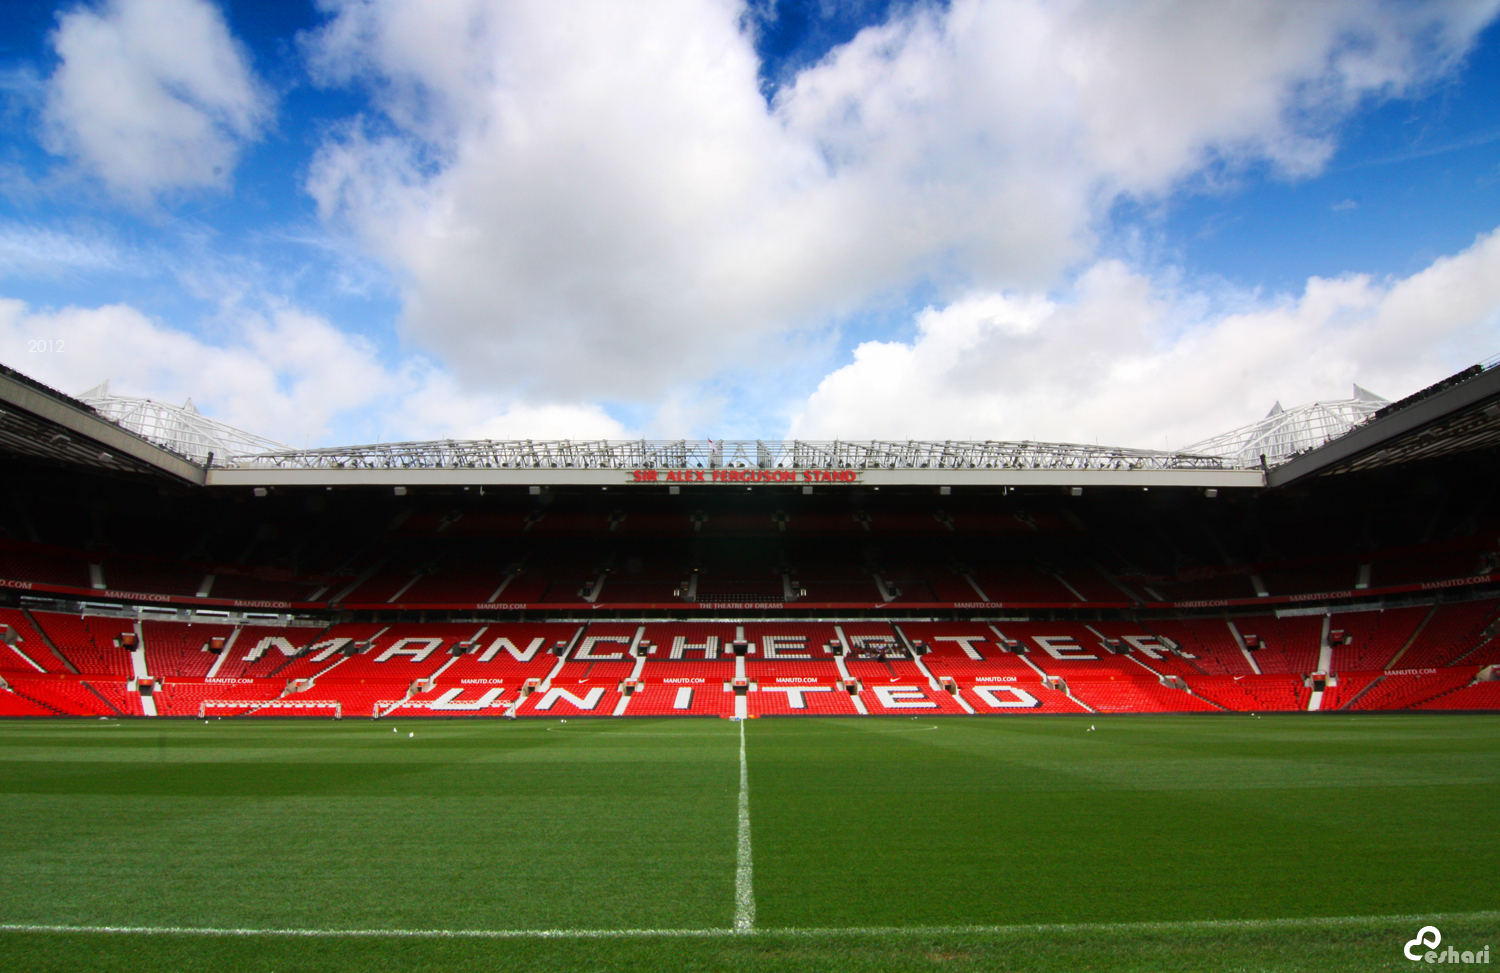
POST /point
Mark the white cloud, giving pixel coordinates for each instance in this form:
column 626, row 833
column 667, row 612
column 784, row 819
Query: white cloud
column 40, row 251
column 598, row 223
column 1129, row 362
column 152, row 95
column 592, row 200
column 287, row 375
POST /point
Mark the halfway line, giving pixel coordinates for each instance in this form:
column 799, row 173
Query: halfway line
column 744, row 876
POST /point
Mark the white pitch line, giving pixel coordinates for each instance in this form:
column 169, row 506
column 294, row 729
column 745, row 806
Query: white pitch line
column 744, row 875
column 1187, row 925
column 374, row 933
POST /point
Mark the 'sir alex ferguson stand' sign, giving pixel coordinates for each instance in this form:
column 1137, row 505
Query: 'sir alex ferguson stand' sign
column 743, row 476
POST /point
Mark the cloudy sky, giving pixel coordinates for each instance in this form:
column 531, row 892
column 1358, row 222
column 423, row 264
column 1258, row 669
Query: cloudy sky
column 351, row 221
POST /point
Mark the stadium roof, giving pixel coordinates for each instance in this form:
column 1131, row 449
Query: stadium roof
column 121, row 433
column 636, row 463
column 45, row 424
column 1459, row 414
column 182, row 429
column 1284, row 433
column 113, row 432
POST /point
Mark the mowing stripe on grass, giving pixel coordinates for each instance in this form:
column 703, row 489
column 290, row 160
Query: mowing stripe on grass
column 1187, row 925
column 744, row 875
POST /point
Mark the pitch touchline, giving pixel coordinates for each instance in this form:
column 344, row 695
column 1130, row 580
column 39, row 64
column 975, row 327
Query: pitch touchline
column 744, row 875
column 1061, row 927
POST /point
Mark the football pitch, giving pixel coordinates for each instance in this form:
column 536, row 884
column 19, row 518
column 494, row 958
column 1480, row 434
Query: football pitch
column 1030, row 843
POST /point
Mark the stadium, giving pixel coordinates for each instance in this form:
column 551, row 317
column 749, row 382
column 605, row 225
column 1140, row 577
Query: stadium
column 749, row 485
column 749, row 704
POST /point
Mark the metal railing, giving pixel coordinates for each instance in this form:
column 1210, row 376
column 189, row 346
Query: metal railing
column 1287, row 432
column 707, row 454
column 182, row 429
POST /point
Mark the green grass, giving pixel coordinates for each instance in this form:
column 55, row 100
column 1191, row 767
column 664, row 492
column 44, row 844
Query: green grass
column 879, row 844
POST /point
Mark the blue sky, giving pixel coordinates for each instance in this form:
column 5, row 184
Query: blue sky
column 363, row 220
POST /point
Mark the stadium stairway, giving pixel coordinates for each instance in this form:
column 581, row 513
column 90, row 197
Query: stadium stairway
column 1345, row 688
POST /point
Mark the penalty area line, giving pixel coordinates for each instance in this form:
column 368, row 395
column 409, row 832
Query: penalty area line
column 1187, row 925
